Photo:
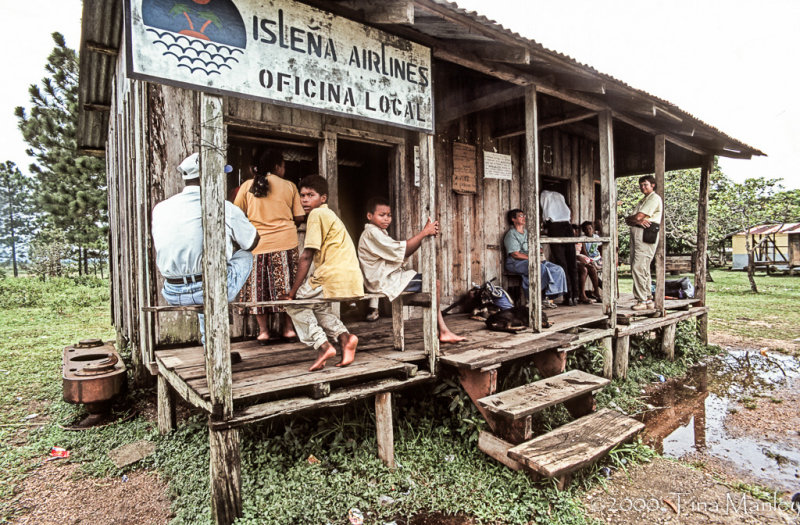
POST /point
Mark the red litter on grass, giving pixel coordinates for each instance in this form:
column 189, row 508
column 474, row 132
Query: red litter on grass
column 58, row 452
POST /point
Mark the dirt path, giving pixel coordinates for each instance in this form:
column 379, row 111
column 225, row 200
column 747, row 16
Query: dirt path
column 665, row 491
column 56, row 494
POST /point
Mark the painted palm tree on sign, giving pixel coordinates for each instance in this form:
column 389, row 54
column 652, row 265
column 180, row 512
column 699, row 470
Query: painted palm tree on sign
column 188, row 12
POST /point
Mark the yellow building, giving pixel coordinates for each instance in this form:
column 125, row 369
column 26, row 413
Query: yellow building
column 778, row 246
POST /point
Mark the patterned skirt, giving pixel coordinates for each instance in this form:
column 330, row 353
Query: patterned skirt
column 273, row 274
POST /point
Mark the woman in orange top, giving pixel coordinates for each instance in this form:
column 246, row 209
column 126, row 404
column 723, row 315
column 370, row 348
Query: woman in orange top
column 273, row 206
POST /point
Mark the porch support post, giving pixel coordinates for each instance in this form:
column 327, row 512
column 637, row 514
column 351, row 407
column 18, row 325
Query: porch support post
column 384, row 429
column 226, row 501
column 427, row 208
column 661, row 249
column 608, row 218
column 700, row 269
column 329, row 168
column 530, row 186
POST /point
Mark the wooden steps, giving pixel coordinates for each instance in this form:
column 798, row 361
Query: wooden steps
column 531, row 398
column 576, row 444
column 488, row 353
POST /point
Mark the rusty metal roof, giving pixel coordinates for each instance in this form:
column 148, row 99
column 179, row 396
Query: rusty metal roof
column 766, row 229
column 454, row 34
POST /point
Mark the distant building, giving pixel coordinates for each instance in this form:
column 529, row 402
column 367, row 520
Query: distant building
column 778, row 246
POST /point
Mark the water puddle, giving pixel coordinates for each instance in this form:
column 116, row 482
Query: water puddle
column 691, row 417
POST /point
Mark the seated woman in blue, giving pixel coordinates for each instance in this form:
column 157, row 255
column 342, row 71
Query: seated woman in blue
column 554, row 281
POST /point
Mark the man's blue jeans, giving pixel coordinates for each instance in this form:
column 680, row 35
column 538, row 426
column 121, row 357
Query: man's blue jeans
column 239, row 268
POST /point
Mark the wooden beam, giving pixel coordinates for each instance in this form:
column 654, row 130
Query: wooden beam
column 661, row 248
column 608, row 357
column 654, row 131
column 496, row 52
column 668, row 341
column 583, row 83
column 608, row 204
column 384, row 429
column 530, row 187
column 93, row 152
column 95, row 106
column 566, row 119
column 225, row 467
column 427, row 208
column 97, row 47
column 384, row 11
column 490, row 100
column 329, row 168
column 621, row 348
column 702, row 245
column 166, row 407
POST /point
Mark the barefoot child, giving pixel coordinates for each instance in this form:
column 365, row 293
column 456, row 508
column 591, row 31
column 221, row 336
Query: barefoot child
column 382, row 257
column 335, row 274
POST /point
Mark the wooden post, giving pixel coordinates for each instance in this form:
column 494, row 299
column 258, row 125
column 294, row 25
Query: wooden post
column 166, row 407
column 668, row 341
column 383, row 428
column 398, row 325
column 608, row 196
column 621, row 350
column 608, row 357
column 427, row 208
column 226, row 501
column 702, row 246
column 531, row 190
column 329, row 168
column 661, row 249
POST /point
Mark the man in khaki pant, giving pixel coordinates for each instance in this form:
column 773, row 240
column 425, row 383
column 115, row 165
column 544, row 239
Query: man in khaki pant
column 648, row 211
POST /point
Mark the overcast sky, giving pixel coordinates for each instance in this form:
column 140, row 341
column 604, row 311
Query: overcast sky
column 730, row 63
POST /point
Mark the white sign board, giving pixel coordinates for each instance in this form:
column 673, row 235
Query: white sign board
column 284, row 52
column 496, row 166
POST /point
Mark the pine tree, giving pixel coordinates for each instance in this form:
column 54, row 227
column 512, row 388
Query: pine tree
column 72, row 188
column 16, row 211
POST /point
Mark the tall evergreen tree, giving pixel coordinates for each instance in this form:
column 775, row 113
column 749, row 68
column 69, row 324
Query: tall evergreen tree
column 72, row 188
column 16, row 211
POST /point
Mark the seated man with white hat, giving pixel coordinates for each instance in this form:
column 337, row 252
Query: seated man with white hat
column 178, row 240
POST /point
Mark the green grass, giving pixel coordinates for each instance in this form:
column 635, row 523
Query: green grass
column 772, row 313
column 435, row 433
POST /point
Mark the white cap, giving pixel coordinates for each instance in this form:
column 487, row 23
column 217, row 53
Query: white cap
column 190, row 167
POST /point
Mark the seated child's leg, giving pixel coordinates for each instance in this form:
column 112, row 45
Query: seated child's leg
column 308, row 327
column 335, row 329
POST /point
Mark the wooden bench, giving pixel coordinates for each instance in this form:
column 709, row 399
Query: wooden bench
column 398, row 323
column 677, row 264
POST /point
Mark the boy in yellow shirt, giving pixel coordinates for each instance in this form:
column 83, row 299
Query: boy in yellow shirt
column 336, row 274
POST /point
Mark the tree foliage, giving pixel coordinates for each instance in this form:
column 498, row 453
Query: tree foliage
column 16, row 212
column 72, row 187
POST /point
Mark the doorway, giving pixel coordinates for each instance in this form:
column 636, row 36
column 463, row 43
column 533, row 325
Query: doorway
column 364, row 172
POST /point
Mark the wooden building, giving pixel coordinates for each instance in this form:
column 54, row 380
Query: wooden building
column 505, row 116
column 777, row 247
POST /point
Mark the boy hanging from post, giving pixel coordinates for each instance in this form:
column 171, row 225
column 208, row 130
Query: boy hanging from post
column 382, row 257
column 335, row 274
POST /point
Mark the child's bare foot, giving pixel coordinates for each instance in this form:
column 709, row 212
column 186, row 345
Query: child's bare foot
column 324, row 353
column 349, row 343
column 263, row 338
column 449, row 337
column 289, row 334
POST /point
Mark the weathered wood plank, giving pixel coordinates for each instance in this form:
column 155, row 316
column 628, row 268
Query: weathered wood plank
column 608, row 357
column 622, row 344
column 535, row 397
column 527, row 344
column 661, row 248
column 576, row 444
column 226, row 475
column 497, row 449
column 668, row 341
column 608, row 192
column 531, row 207
column 166, row 407
column 383, row 428
column 702, row 245
column 338, row 397
column 427, row 208
column 649, row 324
column 181, row 388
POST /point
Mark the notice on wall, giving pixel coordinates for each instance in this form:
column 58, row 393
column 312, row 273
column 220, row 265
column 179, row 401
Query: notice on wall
column 496, row 166
column 465, row 169
column 284, row 52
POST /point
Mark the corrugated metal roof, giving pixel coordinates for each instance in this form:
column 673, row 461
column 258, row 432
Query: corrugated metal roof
column 765, row 229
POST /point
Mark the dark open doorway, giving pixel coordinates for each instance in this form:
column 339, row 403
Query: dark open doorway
column 363, row 174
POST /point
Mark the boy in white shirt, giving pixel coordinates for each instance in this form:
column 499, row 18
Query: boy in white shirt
column 382, row 257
